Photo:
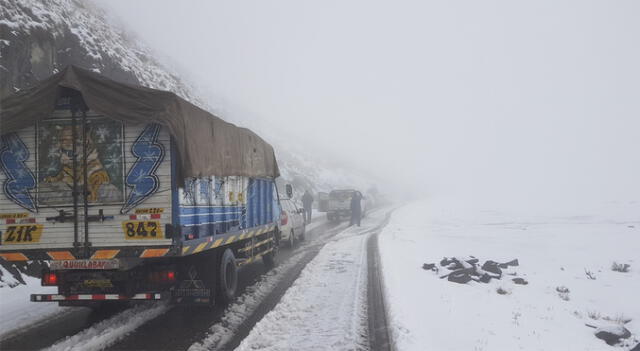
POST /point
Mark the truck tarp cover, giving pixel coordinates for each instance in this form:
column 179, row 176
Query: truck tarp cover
column 207, row 145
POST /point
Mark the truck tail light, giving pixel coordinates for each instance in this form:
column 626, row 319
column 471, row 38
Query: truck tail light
column 162, row 277
column 284, row 218
column 49, row 279
column 171, row 276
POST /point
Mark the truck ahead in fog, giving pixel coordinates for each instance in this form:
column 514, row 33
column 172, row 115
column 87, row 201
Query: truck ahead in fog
column 337, row 204
column 131, row 193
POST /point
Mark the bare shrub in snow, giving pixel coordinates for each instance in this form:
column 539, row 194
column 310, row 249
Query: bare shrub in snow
column 619, row 318
column 516, row 315
column 563, row 292
column 590, row 274
column 593, row 315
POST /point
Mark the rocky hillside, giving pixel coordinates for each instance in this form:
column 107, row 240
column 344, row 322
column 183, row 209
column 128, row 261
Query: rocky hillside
column 39, row 37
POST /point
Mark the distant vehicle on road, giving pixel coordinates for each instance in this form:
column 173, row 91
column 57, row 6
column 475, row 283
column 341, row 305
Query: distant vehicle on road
column 323, row 201
column 339, row 204
column 292, row 226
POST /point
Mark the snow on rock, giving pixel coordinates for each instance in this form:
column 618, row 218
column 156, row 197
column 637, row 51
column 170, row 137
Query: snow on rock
column 7, row 279
column 428, row 313
column 612, row 334
column 54, row 33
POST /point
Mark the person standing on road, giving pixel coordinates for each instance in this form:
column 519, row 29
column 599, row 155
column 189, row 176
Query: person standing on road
column 307, row 200
column 356, row 208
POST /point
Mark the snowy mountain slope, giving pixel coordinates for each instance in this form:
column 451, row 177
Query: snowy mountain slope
column 39, row 37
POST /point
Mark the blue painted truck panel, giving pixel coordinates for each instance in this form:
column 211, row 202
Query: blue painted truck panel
column 211, row 206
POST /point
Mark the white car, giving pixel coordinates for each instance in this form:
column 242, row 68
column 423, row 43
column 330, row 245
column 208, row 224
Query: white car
column 292, row 227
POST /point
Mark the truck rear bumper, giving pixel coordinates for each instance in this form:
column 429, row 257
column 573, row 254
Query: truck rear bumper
column 94, row 297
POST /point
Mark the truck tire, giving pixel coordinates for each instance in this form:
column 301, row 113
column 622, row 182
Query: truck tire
column 292, row 240
column 227, row 277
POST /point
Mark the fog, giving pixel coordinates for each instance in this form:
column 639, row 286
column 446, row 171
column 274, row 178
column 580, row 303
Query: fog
column 529, row 105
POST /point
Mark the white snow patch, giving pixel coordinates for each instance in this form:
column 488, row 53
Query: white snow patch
column 428, row 313
column 18, row 312
column 7, row 279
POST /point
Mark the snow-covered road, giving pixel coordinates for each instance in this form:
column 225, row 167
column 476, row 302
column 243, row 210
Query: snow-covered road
column 326, row 307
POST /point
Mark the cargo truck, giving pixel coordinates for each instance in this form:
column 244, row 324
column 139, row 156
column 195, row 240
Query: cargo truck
column 337, row 204
column 130, row 193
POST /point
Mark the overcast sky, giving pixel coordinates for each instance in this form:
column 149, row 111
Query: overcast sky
column 508, row 102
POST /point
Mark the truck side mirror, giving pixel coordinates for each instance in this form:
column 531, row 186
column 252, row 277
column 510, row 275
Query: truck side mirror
column 289, row 190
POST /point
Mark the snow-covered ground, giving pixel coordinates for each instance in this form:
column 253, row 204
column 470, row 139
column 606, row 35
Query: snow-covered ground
column 325, row 309
column 428, row 313
column 18, row 312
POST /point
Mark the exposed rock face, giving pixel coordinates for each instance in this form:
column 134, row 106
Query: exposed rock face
column 40, row 37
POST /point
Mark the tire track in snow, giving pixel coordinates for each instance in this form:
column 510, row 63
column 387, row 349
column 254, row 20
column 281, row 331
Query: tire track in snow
column 109, row 331
column 379, row 336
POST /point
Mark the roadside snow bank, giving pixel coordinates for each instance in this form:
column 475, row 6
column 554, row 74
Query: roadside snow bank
column 18, row 312
column 556, row 256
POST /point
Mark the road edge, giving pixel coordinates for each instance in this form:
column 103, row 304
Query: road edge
column 379, row 331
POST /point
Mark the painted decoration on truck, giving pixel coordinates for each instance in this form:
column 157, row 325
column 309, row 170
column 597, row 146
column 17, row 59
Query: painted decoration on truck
column 141, row 178
column 20, row 180
column 104, row 161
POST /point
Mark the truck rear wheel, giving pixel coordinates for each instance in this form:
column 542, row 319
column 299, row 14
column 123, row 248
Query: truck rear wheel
column 292, row 239
column 227, row 277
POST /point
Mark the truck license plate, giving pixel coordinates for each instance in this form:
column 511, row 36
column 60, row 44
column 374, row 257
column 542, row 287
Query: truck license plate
column 141, row 230
column 23, row 234
column 84, row 264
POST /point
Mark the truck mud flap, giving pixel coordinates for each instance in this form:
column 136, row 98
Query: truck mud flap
column 96, row 297
column 192, row 291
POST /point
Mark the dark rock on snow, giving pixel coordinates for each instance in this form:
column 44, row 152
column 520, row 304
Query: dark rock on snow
column 520, row 281
column 612, row 336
